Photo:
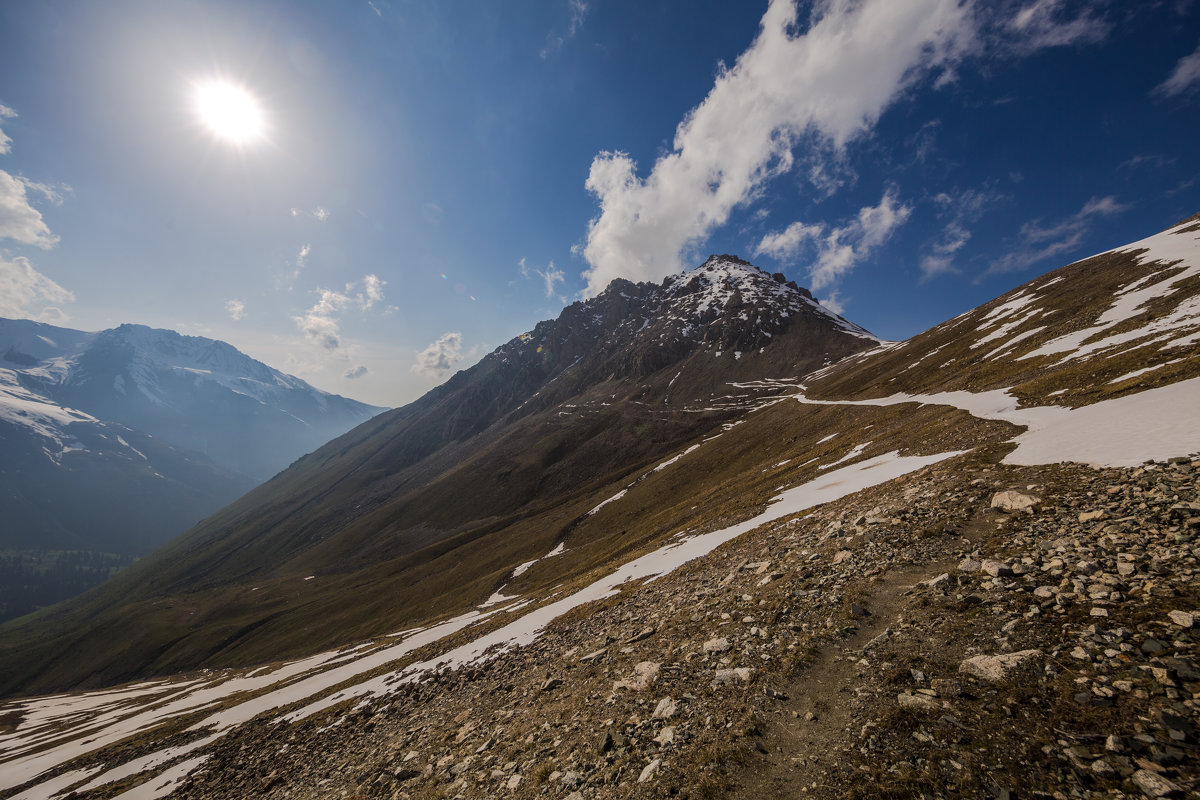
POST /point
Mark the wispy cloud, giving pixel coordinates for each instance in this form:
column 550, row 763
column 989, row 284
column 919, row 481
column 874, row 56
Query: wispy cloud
column 1185, row 76
column 302, row 257
column 236, row 309
column 1057, row 23
column 576, row 13
column 319, row 213
column 823, row 87
column 355, row 372
column 551, row 276
column 959, row 211
column 837, row 249
column 26, row 293
column 320, row 325
column 441, row 356
column 1039, row 241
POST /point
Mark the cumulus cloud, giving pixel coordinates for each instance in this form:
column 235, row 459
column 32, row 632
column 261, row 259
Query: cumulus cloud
column 1184, row 77
column 825, row 87
column 356, row 372
column 19, row 220
column 236, row 309
column 26, row 293
column 320, row 325
column 1049, row 23
column 441, row 356
column 837, row 250
column 1039, row 241
column 551, row 276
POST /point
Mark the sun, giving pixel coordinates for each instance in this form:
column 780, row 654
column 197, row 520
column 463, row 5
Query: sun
column 230, row 112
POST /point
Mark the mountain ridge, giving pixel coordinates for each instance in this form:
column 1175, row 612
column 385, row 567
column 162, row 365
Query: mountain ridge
column 458, row 474
column 860, row 579
column 115, row 441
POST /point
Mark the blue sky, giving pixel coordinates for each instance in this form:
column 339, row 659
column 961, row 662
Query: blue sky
column 433, row 178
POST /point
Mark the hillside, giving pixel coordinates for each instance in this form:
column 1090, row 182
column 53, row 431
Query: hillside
column 847, row 582
column 427, row 508
column 115, row 442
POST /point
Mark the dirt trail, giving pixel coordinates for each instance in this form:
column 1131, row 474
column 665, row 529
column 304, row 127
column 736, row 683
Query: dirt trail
column 816, row 725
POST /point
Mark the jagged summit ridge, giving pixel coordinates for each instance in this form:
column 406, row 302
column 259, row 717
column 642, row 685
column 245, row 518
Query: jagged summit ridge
column 724, row 304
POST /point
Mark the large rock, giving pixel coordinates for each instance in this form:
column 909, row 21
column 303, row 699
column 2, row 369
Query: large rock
column 644, row 674
column 1015, row 501
column 998, row 667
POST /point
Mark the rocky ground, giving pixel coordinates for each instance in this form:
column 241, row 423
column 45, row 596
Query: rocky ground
column 972, row 630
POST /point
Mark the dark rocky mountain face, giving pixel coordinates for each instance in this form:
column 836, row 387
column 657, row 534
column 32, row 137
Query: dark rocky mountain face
column 440, row 498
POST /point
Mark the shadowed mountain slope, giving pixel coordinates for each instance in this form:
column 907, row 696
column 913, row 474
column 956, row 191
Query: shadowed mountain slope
column 432, row 504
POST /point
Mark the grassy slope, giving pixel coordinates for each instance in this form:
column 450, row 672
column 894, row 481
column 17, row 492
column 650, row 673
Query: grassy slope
column 396, row 529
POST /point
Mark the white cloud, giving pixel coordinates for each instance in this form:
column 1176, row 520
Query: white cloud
column 576, row 13
column 825, row 87
column 1185, row 76
column 961, row 210
column 833, row 302
column 236, row 309
column 355, row 372
column 786, row 244
column 19, row 220
column 321, row 214
column 1044, row 23
column 302, row 258
column 1038, row 241
column 26, row 293
column 551, row 275
column 440, row 356
column 319, row 324
column 941, row 258
column 372, row 291
column 837, row 250
column 5, row 140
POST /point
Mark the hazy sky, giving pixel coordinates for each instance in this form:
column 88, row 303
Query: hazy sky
column 432, row 178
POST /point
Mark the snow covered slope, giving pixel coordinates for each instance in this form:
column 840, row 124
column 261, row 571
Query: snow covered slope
column 196, row 393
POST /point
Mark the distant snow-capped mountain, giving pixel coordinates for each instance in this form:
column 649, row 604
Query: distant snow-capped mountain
column 111, row 443
column 197, row 394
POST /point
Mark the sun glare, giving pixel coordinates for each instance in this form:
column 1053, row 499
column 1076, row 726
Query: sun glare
column 230, row 112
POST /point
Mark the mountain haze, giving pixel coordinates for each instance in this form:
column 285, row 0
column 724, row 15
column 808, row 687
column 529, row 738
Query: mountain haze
column 114, row 442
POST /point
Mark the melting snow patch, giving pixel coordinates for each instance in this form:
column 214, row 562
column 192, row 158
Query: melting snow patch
column 1172, row 259
column 523, row 568
column 55, row 785
column 1123, row 432
column 165, row 783
column 612, row 499
column 671, row 461
column 854, row 453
